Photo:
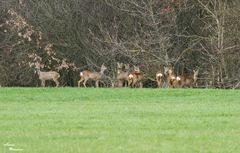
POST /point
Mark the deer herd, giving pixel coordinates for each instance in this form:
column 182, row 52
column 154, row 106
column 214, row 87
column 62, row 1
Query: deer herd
column 127, row 77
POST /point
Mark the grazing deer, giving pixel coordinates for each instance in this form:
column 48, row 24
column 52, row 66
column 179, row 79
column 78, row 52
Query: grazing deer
column 190, row 81
column 135, row 78
column 96, row 76
column 160, row 79
column 50, row 75
column 122, row 74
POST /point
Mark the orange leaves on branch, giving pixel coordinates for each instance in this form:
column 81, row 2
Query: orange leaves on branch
column 27, row 32
column 49, row 49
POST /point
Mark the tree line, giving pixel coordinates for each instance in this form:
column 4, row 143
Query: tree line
column 74, row 35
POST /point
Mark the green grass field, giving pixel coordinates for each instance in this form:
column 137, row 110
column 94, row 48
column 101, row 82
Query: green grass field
column 72, row 120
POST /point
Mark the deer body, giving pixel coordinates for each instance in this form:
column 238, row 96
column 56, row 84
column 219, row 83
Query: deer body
column 96, row 76
column 171, row 77
column 177, row 82
column 191, row 80
column 160, row 79
column 50, row 75
column 122, row 75
column 135, row 78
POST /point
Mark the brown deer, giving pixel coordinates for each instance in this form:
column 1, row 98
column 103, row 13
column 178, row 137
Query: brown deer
column 96, row 76
column 160, row 79
column 171, row 77
column 50, row 75
column 135, row 78
column 122, row 74
column 177, row 82
column 190, row 81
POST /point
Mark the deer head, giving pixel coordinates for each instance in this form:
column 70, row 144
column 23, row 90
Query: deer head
column 103, row 68
column 126, row 66
column 168, row 70
column 119, row 67
column 136, row 69
column 195, row 73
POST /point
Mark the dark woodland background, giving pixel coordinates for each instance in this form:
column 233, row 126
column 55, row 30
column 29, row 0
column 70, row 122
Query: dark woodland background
column 73, row 35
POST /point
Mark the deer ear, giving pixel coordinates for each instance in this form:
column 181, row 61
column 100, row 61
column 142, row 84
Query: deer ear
column 118, row 65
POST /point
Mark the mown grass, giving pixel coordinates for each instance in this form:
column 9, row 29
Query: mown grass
column 72, row 120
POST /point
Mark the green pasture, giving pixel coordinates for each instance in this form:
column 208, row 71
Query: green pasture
column 78, row 120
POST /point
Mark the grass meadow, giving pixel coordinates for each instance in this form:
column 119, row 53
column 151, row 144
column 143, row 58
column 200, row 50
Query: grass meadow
column 78, row 120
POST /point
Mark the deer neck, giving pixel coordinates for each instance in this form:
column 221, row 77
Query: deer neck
column 38, row 71
column 102, row 72
column 119, row 71
column 127, row 72
column 171, row 74
column 194, row 78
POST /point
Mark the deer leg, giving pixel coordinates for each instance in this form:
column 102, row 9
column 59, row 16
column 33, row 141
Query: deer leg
column 159, row 84
column 134, row 83
column 97, row 83
column 125, row 83
column 140, row 84
column 84, row 83
column 120, row 83
column 130, row 83
column 43, row 83
column 56, row 82
column 80, row 81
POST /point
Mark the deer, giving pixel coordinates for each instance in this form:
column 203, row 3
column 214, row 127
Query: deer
column 135, row 78
column 122, row 74
column 172, row 79
column 50, row 75
column 191, row 80
column 96, row 76
column 160, row 79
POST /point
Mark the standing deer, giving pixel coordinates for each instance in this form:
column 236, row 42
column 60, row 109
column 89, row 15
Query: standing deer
column 190, row 81
column 177, row 82
column 135, row 78
column 160, row 79
column 96, row 76
column 171, row 77
column 122, row 74
column 50, row 75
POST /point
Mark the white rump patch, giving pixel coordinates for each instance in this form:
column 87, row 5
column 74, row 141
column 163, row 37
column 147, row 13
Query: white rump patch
column 178, row 78
column 130, row 76
column 81, row 74
column 159, row 75
column 173, row 77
